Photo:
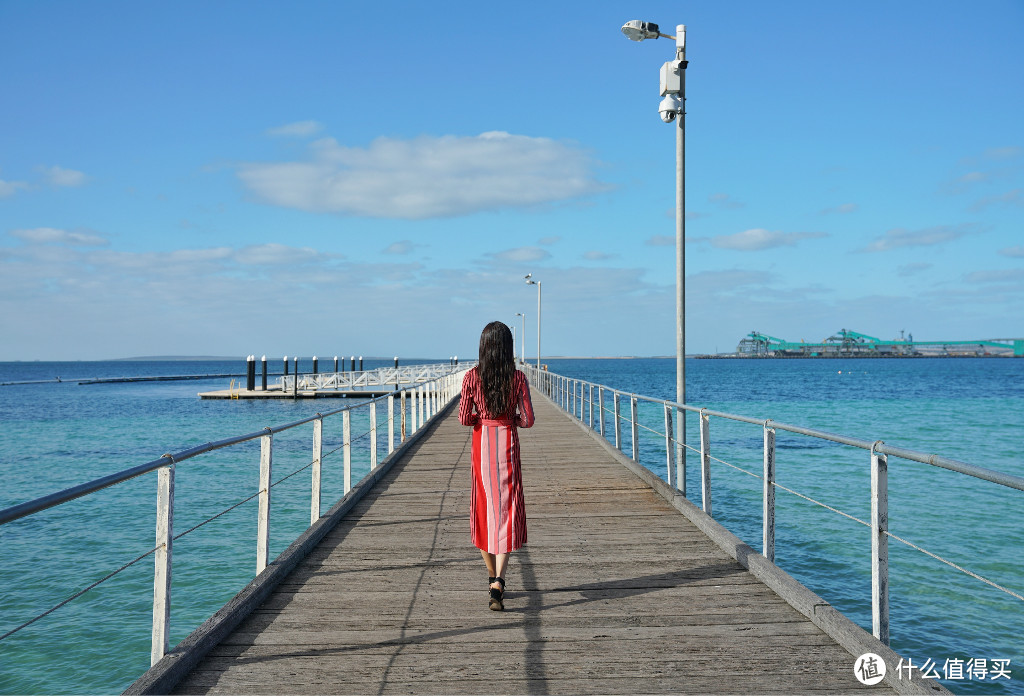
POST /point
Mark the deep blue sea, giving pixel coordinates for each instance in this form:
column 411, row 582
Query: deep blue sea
column 58, row 434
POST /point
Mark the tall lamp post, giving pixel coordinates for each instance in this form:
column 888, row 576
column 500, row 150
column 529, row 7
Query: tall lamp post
column 673, row 108
column 522, row 340
column 530, row 281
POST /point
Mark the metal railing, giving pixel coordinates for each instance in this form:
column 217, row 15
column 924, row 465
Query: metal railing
column 416, row 406
column 577, row 397
column 379, row 377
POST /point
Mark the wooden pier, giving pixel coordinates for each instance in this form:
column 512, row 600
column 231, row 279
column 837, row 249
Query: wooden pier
column 622, row 588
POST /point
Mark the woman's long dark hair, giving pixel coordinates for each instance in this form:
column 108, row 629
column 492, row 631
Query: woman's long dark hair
column 497, row 369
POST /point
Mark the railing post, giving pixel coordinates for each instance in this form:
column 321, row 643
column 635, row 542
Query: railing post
column 263, row 520
column 879, row 545
column 681, row 450
column 590, row 401
column 705, row 461
column 318, row 451
column 600, row 408
column 391, row 423
column 402, row 393
column 768, row 499
column 635, row 432
column 346, row 443
column 162, row 571
column 670, row 448
column 373, row 435
column 618, row 425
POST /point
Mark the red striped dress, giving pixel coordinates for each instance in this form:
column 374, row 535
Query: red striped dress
column 497, row 519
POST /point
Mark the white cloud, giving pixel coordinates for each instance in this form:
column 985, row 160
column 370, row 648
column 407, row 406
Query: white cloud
column 758, row 239
column 50, row 235
column 974, row 177
column 598, row 256
column 548, row 241
column 427, row 177
column 274, row 254
column 59, row 176
column 723, row 201
column 1000, row 153
column 729, row 281
column 9, row 188
column 1006, row 275
column 1011, row 198
column 403, row 247
column 299, row 129
column 661, row 240
column 910, row 269
column 521, row 255
column 100, row 303
column 844, row 209
column 1014, row 251
column 930, row 236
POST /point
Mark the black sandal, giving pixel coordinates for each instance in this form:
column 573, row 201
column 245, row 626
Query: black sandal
column 495, row 603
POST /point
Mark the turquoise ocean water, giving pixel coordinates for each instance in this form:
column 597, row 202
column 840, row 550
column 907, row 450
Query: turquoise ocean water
column 55, row 435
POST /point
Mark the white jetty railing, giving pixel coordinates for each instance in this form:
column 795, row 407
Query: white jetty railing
column 589, row 403
column 380, row 377
column 416, row 406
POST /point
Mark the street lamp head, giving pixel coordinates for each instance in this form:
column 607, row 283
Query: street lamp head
column 635, row 30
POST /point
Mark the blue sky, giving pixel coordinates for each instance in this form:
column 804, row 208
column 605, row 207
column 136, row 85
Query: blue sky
column 335, row 177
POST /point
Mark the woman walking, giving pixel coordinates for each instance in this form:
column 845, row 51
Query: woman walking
column 496, row 402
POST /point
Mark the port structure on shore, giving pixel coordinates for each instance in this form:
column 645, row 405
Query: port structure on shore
column 626, row 585
column 853, row 344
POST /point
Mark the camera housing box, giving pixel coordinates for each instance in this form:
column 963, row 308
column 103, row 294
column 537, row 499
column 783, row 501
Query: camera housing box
column 671, row 79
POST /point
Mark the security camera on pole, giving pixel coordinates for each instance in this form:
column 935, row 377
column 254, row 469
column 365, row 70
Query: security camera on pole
column 673, row 107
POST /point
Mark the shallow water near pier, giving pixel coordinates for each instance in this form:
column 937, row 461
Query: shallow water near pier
column 59, row 434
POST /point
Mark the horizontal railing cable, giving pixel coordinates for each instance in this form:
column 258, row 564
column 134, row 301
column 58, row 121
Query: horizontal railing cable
column 951, row 564
column 78, row 594
column 218, row 515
